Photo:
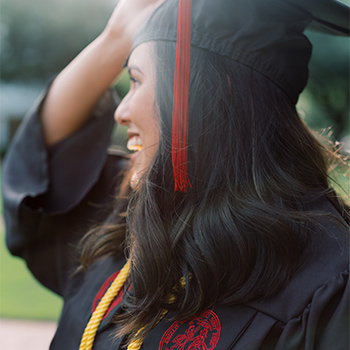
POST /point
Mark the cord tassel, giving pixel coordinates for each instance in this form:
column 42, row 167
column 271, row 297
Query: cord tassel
column 180, row 98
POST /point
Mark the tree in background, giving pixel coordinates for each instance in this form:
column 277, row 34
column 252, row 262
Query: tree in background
column 327, row 93
column 40, row 37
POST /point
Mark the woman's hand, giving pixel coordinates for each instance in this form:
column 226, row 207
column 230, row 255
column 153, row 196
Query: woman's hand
column 78, row 87
column 128, row 17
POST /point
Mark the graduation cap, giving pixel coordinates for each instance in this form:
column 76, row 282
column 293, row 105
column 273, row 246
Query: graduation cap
column 264, row 35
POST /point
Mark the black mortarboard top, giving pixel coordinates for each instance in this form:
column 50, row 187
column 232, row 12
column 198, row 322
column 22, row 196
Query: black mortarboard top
column 265, row 35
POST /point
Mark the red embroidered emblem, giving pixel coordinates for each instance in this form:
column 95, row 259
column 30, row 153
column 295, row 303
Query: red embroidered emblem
column 102, row 292
column 198, row 333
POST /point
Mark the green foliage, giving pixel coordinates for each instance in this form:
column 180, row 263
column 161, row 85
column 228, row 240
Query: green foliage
column 40, row 37
column 326, row 98
column 123, row 84
column 341, row 184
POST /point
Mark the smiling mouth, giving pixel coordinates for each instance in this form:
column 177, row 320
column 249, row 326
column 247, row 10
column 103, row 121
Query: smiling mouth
column 134, row 143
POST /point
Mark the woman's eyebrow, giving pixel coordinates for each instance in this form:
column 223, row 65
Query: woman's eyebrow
column 130, row 68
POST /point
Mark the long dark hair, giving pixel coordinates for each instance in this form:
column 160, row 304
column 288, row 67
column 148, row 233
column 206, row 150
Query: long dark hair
column 256, row 172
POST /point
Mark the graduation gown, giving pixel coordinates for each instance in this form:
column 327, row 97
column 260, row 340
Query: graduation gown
column 51, row 198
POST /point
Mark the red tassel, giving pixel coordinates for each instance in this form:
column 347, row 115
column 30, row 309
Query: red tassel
column 180, row 98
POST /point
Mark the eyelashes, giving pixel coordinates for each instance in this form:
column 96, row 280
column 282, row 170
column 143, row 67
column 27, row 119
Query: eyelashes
column 134, row 81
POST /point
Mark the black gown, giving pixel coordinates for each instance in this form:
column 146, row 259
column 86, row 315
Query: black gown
column 51, row 198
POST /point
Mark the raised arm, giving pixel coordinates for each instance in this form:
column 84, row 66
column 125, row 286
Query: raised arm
column 77, row 88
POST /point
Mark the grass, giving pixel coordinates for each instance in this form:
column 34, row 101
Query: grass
column 21, row 296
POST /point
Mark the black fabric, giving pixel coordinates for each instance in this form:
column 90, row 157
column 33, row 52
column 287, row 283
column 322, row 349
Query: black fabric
column 52, row 196
column 310, row 313
column 266, row 36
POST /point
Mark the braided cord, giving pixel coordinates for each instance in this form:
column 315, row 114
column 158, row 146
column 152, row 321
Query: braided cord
column 137, row 343
column 90, row 331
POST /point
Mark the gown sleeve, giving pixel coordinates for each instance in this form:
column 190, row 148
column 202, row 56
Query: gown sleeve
column 324, row 323
column 50, row 195
column 312, row 312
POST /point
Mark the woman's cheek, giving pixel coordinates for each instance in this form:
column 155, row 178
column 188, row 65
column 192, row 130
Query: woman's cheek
column 134, row 181
column 139, row 167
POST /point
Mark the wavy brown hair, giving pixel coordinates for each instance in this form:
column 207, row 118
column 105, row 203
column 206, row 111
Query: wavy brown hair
column 257, row 172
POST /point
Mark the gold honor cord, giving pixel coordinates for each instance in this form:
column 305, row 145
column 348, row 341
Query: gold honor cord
column 137, row 343
column 90, row 331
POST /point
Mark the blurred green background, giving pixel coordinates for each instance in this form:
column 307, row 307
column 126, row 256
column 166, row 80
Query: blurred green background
column 38, row 38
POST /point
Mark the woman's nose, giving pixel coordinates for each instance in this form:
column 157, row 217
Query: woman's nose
column 122, row 114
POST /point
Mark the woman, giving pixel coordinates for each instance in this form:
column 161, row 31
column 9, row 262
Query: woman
column 233, row 236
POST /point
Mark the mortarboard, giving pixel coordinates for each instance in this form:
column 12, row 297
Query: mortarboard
column 264, row 35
